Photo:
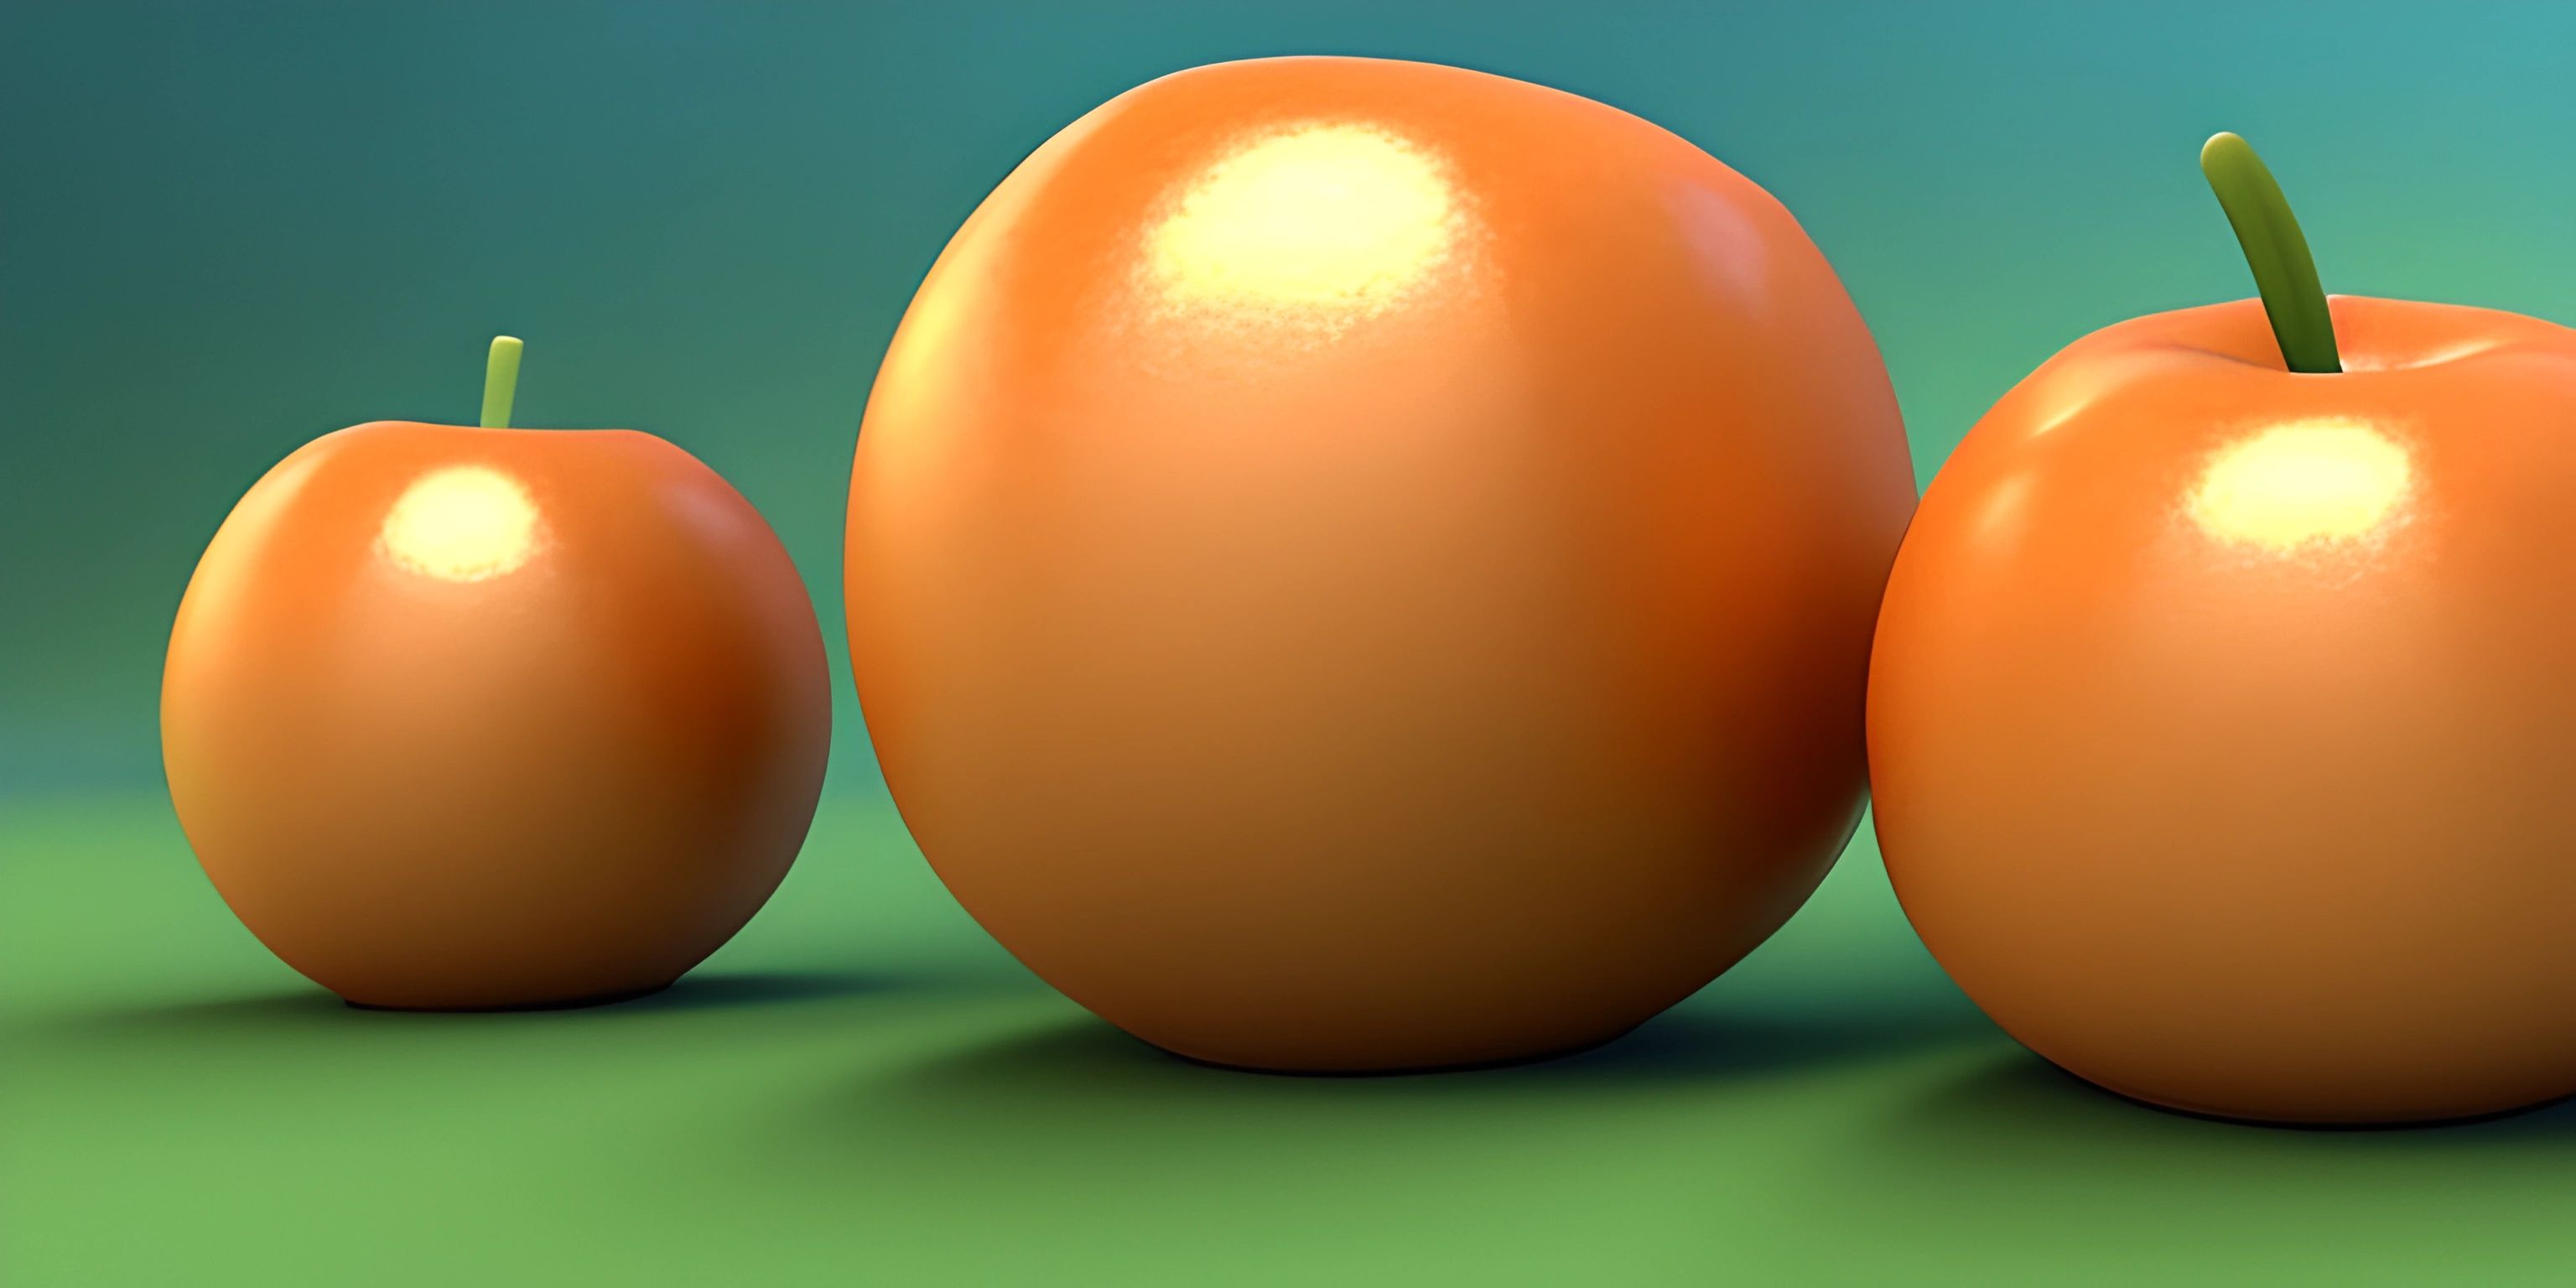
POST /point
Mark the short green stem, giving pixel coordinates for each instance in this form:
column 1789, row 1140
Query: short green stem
column 500, row 381
column 2277, row 252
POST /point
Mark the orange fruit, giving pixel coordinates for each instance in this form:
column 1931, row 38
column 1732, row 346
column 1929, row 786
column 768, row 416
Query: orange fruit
column 2217, row 723
column 459, row 717
column 1365, row 565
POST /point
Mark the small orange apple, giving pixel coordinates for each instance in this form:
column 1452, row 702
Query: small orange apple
column 464, row 717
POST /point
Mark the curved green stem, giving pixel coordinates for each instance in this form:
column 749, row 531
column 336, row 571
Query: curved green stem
column 2276, row 250
column 500, row 381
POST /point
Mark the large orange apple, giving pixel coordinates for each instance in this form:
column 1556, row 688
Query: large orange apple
column 1360, row 565
column 2219, row 715
column 463, row 717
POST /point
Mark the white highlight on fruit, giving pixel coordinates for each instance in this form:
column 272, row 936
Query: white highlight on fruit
column 2303, row 483
column 461, row 523
column 1335, row 221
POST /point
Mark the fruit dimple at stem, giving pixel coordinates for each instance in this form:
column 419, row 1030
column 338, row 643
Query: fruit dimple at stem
column 2284, row 272
column 500, row 381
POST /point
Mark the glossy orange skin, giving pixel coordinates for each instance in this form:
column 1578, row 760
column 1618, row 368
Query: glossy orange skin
column 1409, row 676
column 2227, row 821
column 569, row 780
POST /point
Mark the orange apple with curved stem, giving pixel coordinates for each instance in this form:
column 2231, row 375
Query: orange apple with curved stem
column 2218, row 717
column 470, row 717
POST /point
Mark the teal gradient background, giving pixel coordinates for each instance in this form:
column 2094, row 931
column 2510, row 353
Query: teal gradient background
column 228, row 228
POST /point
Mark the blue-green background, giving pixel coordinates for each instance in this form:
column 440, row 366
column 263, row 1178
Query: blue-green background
column 226, row 228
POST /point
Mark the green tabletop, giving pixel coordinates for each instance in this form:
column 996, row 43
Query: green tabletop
column 863, row 1089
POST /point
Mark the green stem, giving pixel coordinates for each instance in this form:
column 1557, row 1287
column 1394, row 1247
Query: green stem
column 500, row 381
column 2276, row 250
